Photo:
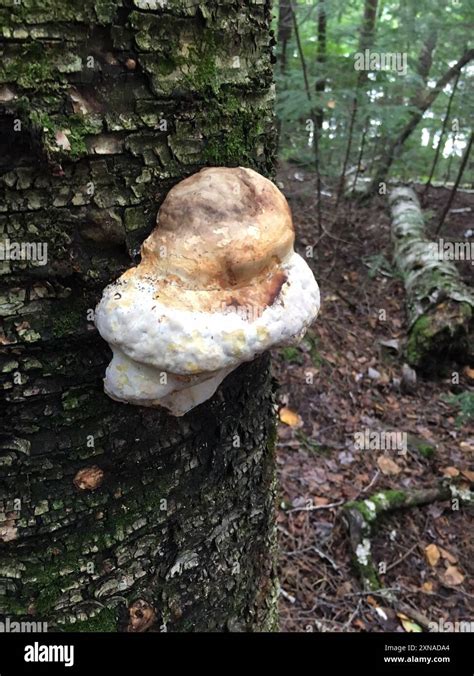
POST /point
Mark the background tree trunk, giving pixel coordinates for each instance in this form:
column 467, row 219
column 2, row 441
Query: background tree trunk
column 104, row 105
column 284, row 30
column 439, row 144
column 366, row 40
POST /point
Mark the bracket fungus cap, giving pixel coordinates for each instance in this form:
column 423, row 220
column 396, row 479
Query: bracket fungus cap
column 218, row 284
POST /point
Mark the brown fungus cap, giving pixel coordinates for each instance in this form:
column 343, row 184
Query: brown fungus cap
column 218, row 284
column 220, row 229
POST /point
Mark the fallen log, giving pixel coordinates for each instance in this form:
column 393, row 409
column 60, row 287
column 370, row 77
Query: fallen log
column 440, row 306
column 361, row 516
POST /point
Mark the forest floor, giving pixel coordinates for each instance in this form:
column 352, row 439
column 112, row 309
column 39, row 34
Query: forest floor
column 353, row 355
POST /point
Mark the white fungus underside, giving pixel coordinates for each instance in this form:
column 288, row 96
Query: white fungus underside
column 153, row 343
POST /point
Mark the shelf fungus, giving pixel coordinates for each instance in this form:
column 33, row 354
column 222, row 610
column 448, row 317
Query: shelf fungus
column 218, row 284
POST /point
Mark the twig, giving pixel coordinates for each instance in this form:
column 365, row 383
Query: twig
column 414, row 614
column 402, row 558
column 356, row 612
column 313, row 508
column 371, row 483
column 318, row 551
column 288, row 597
column 374, row 592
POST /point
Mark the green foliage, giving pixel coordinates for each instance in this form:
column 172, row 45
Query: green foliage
column 385, row 98
column 465, row 403
column 377, row 263
column 291, row 355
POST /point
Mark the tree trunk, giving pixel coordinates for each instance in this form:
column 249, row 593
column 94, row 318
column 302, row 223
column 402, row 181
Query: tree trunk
column 440, row 307
column 115, row 516
column 366, row 39
column 284, row 30
column 321, row 60
column 452, row 194
column 439, row 145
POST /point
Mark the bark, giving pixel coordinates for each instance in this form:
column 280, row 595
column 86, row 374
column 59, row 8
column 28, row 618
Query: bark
column 440, row 307
column 104, row 504
column 425, row 58
column 425, row 100
column 354, row 182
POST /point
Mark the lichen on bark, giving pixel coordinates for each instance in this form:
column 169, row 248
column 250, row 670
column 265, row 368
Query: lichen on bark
column 440, row 307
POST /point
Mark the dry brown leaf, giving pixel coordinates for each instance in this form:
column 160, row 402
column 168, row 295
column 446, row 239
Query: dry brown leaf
column 452, row 576
column 387, row 465
column 432, row 555
column 447, row 555
column 290, row 417
column 468, row 474
column 62, row 140
column 466, row 446
column 450, row 471
column 469, row 372
column 427, row 586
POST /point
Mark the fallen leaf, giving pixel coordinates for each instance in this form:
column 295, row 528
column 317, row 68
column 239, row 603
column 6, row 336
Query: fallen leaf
column 6, row 94
column 447, row 555
column 427, row 586
column 387, row 465
column 392, row 344
column 466, row 446
column 450, row 471
column 469, row 372
column 432, row 555
column 345, row 588
column 468, row 474
column 290, row 417
column 62, row 140
column 408, row 624
column 452, row 576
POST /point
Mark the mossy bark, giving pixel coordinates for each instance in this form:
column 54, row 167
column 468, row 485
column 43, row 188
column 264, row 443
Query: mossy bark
column 440, row 307
column 104, row 105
